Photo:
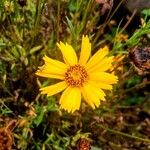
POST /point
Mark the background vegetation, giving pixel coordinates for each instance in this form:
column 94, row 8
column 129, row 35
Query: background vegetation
column 29, row 30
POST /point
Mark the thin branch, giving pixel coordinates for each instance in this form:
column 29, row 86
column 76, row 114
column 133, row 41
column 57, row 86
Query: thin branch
column 124, row 134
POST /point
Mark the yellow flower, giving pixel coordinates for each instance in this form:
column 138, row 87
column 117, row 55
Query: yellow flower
column 84, row 77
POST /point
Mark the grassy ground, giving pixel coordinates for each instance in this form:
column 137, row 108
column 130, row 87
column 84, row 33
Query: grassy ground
column 28, row 120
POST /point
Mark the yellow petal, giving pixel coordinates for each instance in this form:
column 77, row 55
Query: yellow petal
column 54, row 89
column 101, row 85
column 97, row 57
column 70, row 99
column 85, row 50
column 49, row 75
column 52, row 69
column 92, row 95
column 68, row 53
column 103, row 77
column 55, row 63
column 103, row 65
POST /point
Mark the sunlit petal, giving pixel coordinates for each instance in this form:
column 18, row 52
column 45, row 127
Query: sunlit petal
column 103, row 65
column 92, row 95
column 103, row 77
column 54, row 89
column 85, row 50
column 68, row 53
column 52, row 69
column 70, row 99
column 49, row 75
column 97, row 57
column 101, row 85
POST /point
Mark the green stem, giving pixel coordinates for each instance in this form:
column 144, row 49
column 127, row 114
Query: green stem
column 37, row 20
column 75, row 19
column 58, row 18
column 23, row 11
column 124, row 134
column 84, row 20
column 38, row 14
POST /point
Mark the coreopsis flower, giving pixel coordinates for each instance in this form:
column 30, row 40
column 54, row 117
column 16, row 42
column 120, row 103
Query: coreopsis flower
column 85, row 77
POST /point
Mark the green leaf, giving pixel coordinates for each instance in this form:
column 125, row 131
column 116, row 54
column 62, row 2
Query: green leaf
column 39, row 118
column 70, row 26
column 135, row 38
column 35, row 49
column 146, row 12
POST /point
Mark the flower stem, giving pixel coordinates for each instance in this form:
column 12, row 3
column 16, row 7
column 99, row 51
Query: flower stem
column 87, row 11
column 36, row 20
column 58, row 18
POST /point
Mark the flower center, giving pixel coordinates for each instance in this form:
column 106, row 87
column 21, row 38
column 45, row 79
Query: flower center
column 75, row 76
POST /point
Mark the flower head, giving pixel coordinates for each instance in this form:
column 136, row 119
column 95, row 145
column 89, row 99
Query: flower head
column 84, row 77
